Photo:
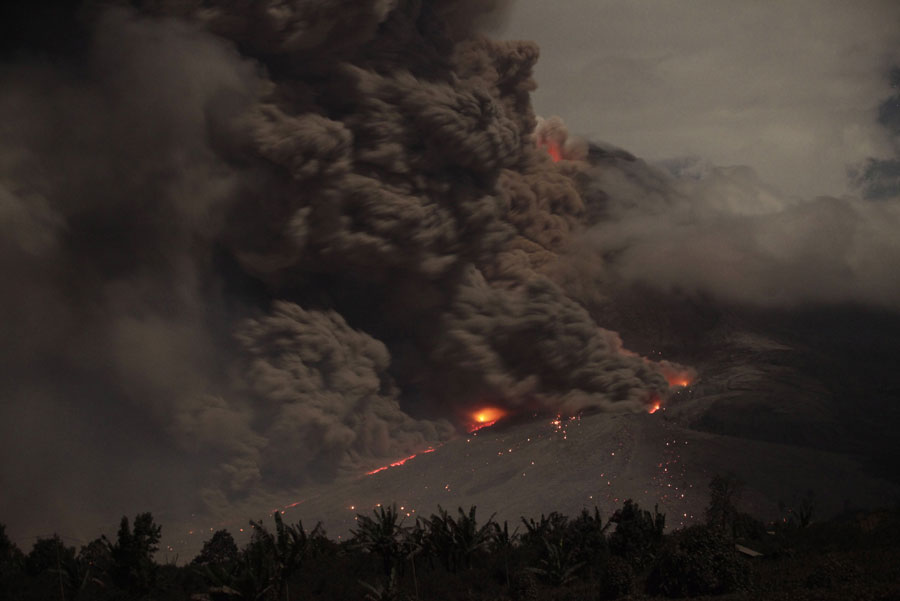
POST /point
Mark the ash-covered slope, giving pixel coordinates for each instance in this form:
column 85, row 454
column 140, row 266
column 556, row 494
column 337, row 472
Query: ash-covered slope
column 813, row 376
column 542, row 465
column 773, row 402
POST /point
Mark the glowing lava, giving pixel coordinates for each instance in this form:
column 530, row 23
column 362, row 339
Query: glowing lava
column 681, row 378
column 485, row 417
column 553, row 150
column 680, row 382
column 654, row 407
column 399, row 462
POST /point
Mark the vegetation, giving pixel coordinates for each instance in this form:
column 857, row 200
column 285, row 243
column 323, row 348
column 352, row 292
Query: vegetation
column 456, row 556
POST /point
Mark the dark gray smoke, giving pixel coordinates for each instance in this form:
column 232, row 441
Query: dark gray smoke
column 253, row 245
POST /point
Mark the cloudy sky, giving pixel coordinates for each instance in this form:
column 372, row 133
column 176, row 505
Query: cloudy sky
column 789, row 88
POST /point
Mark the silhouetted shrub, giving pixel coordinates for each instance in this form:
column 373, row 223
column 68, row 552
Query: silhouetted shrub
column 638, row 533
column 524, row 587
column 220, row 549
column 748, row 528
column 131, row 566
column 617, row 579
column 698, row 561
column 832, row 572
column 12, row 565
column 587, row 535
column 724, row 493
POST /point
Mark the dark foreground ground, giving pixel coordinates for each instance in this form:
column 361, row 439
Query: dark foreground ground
column 461, row 556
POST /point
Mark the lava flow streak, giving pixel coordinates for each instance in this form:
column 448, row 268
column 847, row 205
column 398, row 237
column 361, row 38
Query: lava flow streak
column 399, row 462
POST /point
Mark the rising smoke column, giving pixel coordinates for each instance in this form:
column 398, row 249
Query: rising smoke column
column 286, row 239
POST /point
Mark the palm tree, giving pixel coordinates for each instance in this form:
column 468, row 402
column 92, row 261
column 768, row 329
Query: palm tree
column 456, row 541
column 251, row 579
column 384, row 536
column 467, row 537
column 587, row 534
column 638, row 533
column 288, row 547
column 503, row 542
column 558, row 566
column 550, row 527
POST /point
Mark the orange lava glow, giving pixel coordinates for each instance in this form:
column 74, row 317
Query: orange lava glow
column 399, row 462
column 485, row 417
column 678, row 378
column 553, row 150
column 680, row 382
column 654, row 407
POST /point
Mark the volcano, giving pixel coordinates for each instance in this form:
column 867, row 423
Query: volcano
column 286, row 255
column 774, row 404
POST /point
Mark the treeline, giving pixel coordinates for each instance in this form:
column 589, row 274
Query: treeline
column 458, row 555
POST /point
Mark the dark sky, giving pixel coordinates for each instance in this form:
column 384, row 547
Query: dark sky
column 248, row 251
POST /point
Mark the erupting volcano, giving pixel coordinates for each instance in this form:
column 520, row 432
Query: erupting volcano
column 277, row 244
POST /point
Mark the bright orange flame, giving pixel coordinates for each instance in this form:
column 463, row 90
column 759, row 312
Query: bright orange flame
column 485, row 417
column 654, row 407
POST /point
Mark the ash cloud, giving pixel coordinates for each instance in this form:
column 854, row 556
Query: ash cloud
column 878, row 178
column 254, row 246
column 690, row 228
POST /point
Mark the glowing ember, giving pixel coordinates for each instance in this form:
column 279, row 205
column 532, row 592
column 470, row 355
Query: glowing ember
column 485, row 417
column 399, row 462
column 654, row 407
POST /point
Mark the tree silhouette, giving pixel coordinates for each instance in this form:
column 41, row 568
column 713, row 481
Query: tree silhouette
column 637, row 533
column 12, row 562
column 287, row 548
column 220, row 549
column 549, row 527
column 724, row 492
column 558, row 566
column 502, row 542
column 384, row 536
column 251, row 579
column 464, row 536
column 53, row 565
column 587, row 535
column 131, row 566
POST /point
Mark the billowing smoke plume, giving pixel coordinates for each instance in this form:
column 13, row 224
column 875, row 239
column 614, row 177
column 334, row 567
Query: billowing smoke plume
column 258, row 244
